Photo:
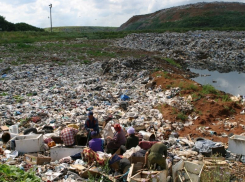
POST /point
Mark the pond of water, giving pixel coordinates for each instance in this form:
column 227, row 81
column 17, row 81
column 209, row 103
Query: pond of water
column 233, row 82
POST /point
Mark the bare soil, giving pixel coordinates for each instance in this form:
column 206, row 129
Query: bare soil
column 211, row 109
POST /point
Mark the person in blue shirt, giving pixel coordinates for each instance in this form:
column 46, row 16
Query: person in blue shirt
column 91, row 123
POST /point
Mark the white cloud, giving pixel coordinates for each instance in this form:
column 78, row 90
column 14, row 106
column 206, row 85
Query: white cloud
column 83, row 12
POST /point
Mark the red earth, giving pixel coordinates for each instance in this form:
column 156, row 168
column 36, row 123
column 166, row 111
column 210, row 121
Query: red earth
column 212, row 109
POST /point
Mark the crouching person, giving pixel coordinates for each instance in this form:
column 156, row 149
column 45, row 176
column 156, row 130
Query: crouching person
column 154, row 156
column 67, row 135
column 96, row 144
column 118, row 140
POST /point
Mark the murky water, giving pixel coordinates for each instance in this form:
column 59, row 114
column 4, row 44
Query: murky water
column 233, row 82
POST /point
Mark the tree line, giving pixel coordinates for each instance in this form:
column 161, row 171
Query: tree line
column 8, row 26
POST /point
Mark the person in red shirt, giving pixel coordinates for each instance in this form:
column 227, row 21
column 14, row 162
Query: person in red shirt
column 67, row 135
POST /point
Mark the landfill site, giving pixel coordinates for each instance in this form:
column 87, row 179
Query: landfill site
column 129, row 113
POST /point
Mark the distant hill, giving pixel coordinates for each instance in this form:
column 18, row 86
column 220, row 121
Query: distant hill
column 82, row 29
column 8, row 26
column 200, row 15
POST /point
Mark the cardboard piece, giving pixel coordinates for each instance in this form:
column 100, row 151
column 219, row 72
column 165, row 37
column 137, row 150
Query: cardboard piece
column 134, row 169
column 90, row 172
column 37, row 159
column 4, row 128
column 147, row 176
column 78, row 166
column 194, row 170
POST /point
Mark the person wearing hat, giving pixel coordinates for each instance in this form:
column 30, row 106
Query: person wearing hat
column 132, row 140
column 96, row 144
column 91, row 123
column 119, row 139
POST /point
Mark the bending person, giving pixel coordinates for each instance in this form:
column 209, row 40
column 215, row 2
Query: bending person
column 67, row 135
column 155, row 156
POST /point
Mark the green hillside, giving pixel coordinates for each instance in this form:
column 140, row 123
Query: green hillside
column 201, row 15
column 82, row 29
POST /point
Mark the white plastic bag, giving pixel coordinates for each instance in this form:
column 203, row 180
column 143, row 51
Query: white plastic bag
column 107, row 131
column 130, row 152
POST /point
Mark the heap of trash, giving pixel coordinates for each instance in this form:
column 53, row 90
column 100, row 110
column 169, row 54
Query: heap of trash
column 212, row 50
column 37, row 101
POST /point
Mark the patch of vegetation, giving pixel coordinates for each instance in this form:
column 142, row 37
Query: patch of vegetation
column 172, row 62
column 6, row 70
column 8, row 26
column 99, row 53
column 15, row 63
column 208, row 89
column 166, row 75
column 222, row 20
column 191, row 86
column 168, row 86
column 157, row 69
column 3, row 94
column 12, row 173
column 174, row 111
column 82, row 29
column 18, row 98
column 226, row 98
column 163, row 74
column 180, row 84
column 86, row 62
column 216, row 173
column 182, row 116
column 31, row 36
column 229, row 109
column 29, row 94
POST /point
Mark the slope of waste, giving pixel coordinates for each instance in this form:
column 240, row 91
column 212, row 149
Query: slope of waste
column 48, row 96
column 212, row 50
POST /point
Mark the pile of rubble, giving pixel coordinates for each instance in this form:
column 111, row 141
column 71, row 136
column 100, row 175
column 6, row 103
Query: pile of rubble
column 46, row 96
column 213, row 50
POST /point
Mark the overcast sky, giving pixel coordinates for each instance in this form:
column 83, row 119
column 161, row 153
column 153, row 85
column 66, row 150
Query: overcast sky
column 83, row 12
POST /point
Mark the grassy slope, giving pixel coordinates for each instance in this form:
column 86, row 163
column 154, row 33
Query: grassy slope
column 224, row 20
column 221, row 16
column 30, row 37
column 82, row 29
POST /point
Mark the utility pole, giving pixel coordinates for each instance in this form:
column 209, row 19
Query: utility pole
column 50, row 6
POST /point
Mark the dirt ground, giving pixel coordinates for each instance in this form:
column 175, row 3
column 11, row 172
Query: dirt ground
column 213, row 113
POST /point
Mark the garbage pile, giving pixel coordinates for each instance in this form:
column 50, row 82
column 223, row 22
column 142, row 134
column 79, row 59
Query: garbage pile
column 213, row 50
column 38, row 101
